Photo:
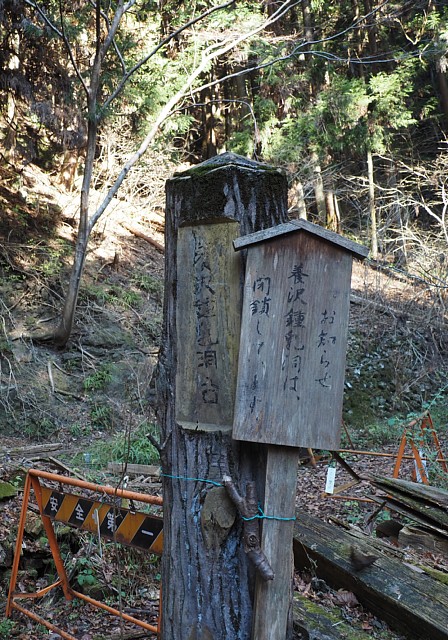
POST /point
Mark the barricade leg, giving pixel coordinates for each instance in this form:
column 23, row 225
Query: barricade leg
column 49, row 530
column 15, row 564
column 33, row 481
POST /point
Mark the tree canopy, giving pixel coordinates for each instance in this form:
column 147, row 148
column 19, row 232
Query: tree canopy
column 309, row 85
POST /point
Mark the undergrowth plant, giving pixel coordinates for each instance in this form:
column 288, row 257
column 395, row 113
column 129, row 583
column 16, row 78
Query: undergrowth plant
column 149, row 284
column 101, row 416
column 98, row 379
column 134, row 448
column 389, row 432
column 6, row 627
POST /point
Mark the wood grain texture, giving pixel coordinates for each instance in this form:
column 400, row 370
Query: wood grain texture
column 410, row 602
column 293, row 341
column 273, row 599
column 208, row 589
column 208, row 307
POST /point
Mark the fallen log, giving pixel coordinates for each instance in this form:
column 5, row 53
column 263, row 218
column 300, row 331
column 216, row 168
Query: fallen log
column 423, row 503
column 410, row 602
column 425, row 493
column 139, row 234
column 29, row 450
column 134, row 469
column 312, row 621
column 421, row 538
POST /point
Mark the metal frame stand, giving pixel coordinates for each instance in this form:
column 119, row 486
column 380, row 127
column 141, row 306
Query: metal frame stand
column 33, row 482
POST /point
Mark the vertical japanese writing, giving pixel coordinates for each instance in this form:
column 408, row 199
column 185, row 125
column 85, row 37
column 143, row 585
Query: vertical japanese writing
column 260, row 310
column 205, row 306
column 294, row 323
column 325, row 342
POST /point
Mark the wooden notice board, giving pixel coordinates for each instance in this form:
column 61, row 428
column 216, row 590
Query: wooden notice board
column 293, row 336
column 208, row 326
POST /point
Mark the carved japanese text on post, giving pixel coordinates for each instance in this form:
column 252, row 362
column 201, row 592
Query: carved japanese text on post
column 293, row 341
column 208, row 310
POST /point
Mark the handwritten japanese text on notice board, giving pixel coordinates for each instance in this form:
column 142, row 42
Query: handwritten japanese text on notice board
column 292, row 352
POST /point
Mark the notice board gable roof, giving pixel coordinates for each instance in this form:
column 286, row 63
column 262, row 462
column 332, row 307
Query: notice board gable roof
column 358, row 250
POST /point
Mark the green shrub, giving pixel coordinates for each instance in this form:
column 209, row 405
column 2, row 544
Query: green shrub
column 101, row 416
column 98, row 379
column 6, row 627
column 136, row 449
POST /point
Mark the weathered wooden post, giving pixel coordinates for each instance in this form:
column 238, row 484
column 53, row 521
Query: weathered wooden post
column 290, row 378
column 206, row 580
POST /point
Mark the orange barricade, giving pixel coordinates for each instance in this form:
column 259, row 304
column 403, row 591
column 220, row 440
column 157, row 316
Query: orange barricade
column 109, row 520
column 423, row 424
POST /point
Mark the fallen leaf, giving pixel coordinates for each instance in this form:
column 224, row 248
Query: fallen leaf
column 345, row 598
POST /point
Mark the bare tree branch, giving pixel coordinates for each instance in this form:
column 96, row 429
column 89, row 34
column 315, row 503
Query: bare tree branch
column 44, row 17
column 69, row 50
column 207, row 58
column 114, row 43
column 162, row 44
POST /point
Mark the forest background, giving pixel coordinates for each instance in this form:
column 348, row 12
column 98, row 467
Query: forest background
column 101, row 102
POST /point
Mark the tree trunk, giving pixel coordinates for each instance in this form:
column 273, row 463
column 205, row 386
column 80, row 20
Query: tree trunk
column 332, row 220
column 207, row 582
column 63, row 331
column 297, row 196
column 372, row 31
column 308, row 25
column 443, row 86
column 11, row 134
column 209, row 144
column 308, row 20
column 372, row 210
column 319, row 190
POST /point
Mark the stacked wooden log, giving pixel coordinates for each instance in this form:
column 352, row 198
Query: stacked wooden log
column 404, row 596
column 425, row 505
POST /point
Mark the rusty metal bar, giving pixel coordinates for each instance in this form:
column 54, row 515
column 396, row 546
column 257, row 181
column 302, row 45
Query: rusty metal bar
column 37, row 594
column 428, row 420
column 111, row 491
column 49, row 530
column 45, row 623
column 115, row 612
column 380, row 454
column 15, row 564
column 348, row 498
column 419, row 463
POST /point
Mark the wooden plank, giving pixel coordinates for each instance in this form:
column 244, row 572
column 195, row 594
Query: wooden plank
column 316, row 622
column 411, row 512
column 410, row 602
column 273, row 598
column 30, row 450
column 425, row 503
column 293, row 340
column 134, row 469
column 208, row 308
column 427, row 493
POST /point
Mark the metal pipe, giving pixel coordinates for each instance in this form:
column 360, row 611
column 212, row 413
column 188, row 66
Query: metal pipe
column 380, row 454
column 111, row 491
column 49, row 530
column 40, row 620
column 37, row 594
column 115, row 612
column 335, row 496
column 15, row 564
